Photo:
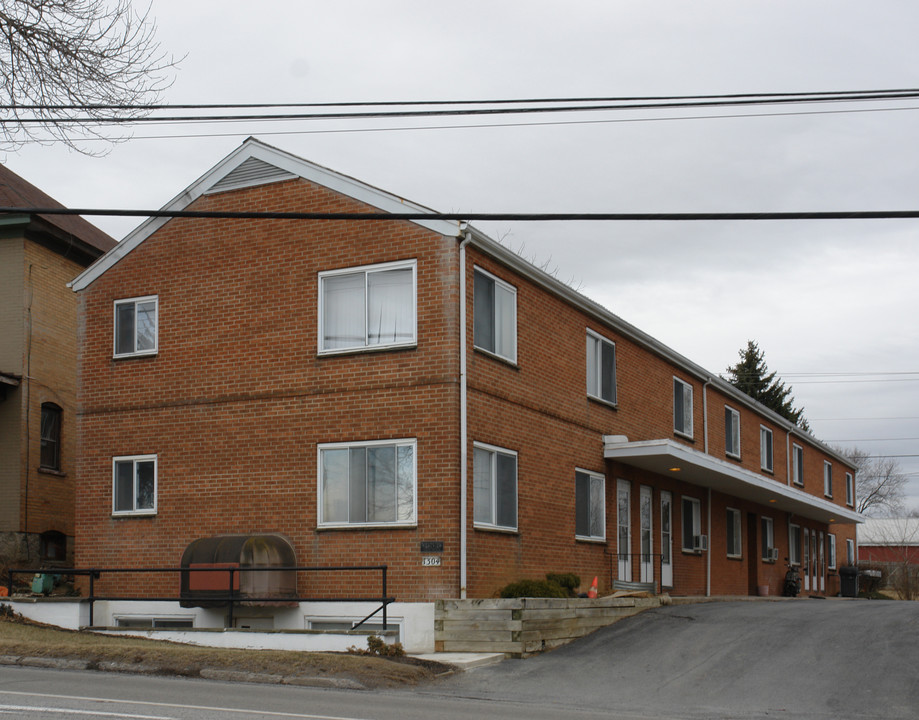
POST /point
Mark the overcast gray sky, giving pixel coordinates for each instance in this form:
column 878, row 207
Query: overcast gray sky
column 819, row 297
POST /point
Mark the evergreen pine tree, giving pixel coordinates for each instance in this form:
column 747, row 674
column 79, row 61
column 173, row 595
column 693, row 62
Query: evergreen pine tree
column 752, row 376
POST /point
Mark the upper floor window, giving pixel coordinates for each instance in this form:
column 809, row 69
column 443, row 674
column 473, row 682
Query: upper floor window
column 797, row 464
column 369, row 483
column 368, row 307
column 827, row 479
column 850, row 489
column 50, row 436
column 494, row 316
column 136, row 326
column 765, row 448
column 731, row 432
column 134, row 485
column 590, row 505
column 682, row 407
column 601, row 368
column 494, row 487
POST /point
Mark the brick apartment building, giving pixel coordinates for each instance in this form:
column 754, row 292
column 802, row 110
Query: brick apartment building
column 412, row 393
column 39, row 255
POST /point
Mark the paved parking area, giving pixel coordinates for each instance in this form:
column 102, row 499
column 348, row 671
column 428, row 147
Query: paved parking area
column 807, row 658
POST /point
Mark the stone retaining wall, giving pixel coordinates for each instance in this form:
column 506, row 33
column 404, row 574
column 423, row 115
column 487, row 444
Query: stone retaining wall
column 523, row 626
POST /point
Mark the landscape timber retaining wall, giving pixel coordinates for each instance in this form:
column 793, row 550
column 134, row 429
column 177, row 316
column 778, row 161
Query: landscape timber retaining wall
column 524, row 626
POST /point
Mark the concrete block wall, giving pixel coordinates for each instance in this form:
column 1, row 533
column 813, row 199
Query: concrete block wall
column 524, row 626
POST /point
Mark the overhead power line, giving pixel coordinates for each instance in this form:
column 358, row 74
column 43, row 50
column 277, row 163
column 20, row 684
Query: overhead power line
column 854, row 94
column 465, row 216
column 499, row 108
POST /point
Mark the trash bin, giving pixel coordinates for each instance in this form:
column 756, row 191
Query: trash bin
column 848, row 581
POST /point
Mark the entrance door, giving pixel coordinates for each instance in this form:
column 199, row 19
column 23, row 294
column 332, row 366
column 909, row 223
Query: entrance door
column 821, row 563
column 623, row 512
column 647, row 535
column 666, row 539
column 805, row 560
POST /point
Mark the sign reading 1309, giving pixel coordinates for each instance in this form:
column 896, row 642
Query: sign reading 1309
column 430, row 561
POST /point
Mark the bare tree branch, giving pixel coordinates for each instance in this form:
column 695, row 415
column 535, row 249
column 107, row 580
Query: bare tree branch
column 879, row 483
column 66, row 59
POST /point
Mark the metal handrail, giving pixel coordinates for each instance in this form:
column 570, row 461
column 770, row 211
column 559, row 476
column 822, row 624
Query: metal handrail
column 231, row 598
column 657, row 559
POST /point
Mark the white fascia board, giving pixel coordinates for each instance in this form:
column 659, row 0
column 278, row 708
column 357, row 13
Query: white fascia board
column 697, row 468
column 613, row 321
column 252, row 148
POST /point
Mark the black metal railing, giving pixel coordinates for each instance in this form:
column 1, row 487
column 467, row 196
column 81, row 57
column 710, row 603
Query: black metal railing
column 653, row 559
column 233, row 595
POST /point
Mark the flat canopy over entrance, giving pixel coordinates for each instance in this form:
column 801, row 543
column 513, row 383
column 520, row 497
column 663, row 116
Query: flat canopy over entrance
column 670, row 458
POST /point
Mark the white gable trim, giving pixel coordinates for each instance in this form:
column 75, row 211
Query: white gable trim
column 297, row 167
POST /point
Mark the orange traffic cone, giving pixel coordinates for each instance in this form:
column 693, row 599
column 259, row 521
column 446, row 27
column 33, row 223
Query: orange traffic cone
column 592, row 593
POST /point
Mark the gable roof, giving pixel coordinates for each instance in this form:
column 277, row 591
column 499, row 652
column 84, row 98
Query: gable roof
column 18, row 192
column 255, row 163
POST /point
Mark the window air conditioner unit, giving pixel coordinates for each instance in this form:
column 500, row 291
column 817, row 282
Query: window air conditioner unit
column 700, row 542
column 773, row 554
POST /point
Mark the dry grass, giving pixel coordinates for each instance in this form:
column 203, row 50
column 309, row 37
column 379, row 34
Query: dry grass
column 20, row 638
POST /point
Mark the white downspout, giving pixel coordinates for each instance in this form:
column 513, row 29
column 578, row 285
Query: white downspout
column 708, row 552
column 464, row 460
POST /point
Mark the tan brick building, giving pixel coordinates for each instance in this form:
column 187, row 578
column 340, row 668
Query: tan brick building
column 39, row 255
column 414, row 394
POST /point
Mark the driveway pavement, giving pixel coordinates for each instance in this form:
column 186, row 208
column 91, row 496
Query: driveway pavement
column 806, row 658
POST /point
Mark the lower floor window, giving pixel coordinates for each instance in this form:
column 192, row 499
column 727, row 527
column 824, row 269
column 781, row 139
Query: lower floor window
column 733, row 527
column 794, row 544
column 768, row 538
column 134, row 485
column 590, row 505
column 850, row 552
column 831, row 551
column 367, row 483
column 495, row 487
column 692, row 525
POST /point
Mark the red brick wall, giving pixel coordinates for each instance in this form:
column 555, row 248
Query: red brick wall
column 236, row 399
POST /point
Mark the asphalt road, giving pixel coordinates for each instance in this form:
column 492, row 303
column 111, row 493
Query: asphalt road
column 799, row 659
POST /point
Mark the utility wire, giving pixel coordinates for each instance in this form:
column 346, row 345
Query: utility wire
column 378, row 114
column 856, row 94
column 530, row 217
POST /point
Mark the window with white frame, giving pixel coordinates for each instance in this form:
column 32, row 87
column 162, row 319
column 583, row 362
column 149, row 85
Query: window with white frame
column 850, row 552
column 367, row 307
column 794, row 544
column 765, row 448
column 494, row 315
column 734, row 543
column 590, row 505
column 767, row 533
column 134, row 485
column 850, row 489
column 831, row 551
column 731, row 432
column 136, row 326
column 601, row 368
column 367, row 483
column 827, row 479
column 797, row 464
column 494, row 487
column 692, row 524
column 682, row 407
